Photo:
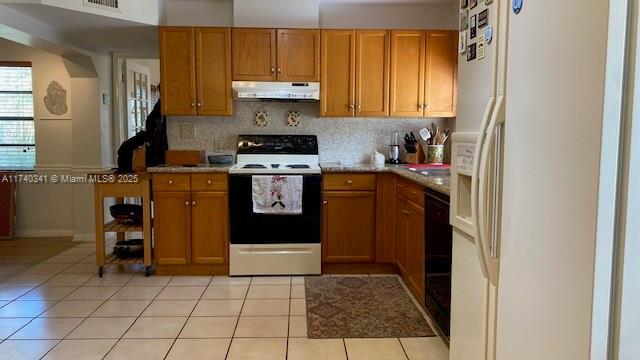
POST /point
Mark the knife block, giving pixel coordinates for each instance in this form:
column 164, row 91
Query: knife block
column 417, row 157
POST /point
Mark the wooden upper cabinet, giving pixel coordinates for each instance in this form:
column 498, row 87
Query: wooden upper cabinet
column 177, row 70
column 298, row 55
column 372, row 73
column 172, row 227
column 254, row 54
column 407, row 73
column 338, row 75
column 349, row 226
column 442, row 68
column 213, row 65
column 210, row 227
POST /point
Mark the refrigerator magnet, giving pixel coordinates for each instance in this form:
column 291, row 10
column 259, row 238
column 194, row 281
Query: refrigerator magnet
column 483, row 18
column 480, row 50
column 464, row 4
column 517, row 6
column 462, row 42
column 488, row 34
column 464, row 19
column 472, row 27
column 473, row 4
column 471, row 52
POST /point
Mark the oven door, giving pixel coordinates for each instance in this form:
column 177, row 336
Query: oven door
column 248, row 227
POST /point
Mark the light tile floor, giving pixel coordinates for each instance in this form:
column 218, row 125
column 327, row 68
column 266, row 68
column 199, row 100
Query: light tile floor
column 60, row 309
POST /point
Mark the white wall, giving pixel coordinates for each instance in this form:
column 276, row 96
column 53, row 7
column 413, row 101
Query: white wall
column 198, row 13
column 398, row 16
column 276, row 13
column 76, row 145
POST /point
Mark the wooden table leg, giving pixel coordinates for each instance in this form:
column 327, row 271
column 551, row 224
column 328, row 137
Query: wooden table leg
column 99, row 209
column 146, row 225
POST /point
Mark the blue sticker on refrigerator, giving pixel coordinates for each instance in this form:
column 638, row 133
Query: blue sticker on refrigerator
column 517, row 6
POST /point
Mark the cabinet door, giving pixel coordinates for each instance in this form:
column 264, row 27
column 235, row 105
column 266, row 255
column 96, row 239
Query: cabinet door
column 172, row 228
column 178, row 70
column 298, row 55
column 407, row 73
column 372, row 73
column 254, row 54
column 402, row 231
column 213, row 65
column 349, row 226
column 210, row 227
column 441, row 74
column 338, row 75
column 416, row 253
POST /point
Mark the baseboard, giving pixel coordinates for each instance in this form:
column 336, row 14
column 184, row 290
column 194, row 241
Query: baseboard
column 85, row 237
column 53, row 233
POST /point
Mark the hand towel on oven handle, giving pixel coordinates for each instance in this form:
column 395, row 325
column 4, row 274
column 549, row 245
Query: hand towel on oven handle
column 277, row 194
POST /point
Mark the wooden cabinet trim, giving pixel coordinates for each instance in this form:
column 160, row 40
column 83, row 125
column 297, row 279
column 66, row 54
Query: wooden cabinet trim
column 290, row 60
column 240, row 57
column 213, row 85
column 369, row 104
column 332, row 77
column 407, row 73
column 432, row 88
column 178, row 77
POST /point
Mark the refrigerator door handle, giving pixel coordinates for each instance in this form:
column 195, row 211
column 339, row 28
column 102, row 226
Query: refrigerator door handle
column 475, row 188
column 490, row 231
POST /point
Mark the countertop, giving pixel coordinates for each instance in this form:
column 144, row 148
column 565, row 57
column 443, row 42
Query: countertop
column 438, row 183
column 202, row 168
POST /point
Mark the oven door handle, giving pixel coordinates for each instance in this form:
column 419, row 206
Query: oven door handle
column 282, row 251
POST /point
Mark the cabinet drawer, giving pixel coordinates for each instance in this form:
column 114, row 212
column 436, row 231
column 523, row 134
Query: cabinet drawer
column 349, row 181
column 411, row 192
column 208, row 182
column 170, row 182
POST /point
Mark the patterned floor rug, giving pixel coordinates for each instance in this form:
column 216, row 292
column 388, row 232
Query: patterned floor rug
column 361, row 307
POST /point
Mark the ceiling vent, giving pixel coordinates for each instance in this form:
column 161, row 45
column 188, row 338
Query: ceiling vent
column 111, row 4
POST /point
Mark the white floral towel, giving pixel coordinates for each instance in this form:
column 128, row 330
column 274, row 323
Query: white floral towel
column 277, row 194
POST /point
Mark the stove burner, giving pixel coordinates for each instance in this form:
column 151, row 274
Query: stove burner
column 254, row 166
column 298, row 166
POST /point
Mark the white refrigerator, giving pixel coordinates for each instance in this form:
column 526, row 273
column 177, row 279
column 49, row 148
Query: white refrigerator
column 525, row 172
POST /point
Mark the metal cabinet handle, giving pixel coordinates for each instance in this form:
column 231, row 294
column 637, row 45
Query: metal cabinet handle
column 428, row 106
column 199, row 104
column 186, row 203
column 359, row 107
column 325, row 202
column 193, row 104
column 414, row 193
column 170, row 182
column 349, row 181
column 279, row 70
column 193, row 203
column 273, row 69
column 209, row 182
column 351, row 106
column 405, row 212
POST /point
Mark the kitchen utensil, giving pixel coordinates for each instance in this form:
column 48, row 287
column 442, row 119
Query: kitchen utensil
column 412, row 137
column 435, row 154
column 126, row 213
column 425, row 134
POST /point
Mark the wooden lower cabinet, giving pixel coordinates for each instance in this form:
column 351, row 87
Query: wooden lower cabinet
column 415, row 258
column 209, row 228
column 191, row 228
column 410, row 245
column 172, row 227
column 348, row 226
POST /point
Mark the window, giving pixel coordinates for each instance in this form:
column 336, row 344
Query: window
column 17, row 133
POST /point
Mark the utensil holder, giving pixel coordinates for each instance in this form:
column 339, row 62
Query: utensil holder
column 435, row 154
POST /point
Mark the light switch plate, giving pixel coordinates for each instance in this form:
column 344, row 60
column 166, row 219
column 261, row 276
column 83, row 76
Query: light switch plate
column 188, row 131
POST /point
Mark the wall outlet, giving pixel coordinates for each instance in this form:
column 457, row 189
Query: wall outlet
column 188, row 131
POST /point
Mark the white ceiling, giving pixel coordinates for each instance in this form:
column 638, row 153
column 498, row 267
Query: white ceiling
column 95, row 30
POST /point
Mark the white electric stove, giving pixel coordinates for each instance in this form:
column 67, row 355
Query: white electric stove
column 269, row 244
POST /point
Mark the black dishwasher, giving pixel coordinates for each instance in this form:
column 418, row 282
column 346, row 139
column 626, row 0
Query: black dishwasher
column 438, row 249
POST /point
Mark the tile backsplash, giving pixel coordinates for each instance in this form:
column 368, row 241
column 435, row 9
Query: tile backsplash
column 346, row 140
